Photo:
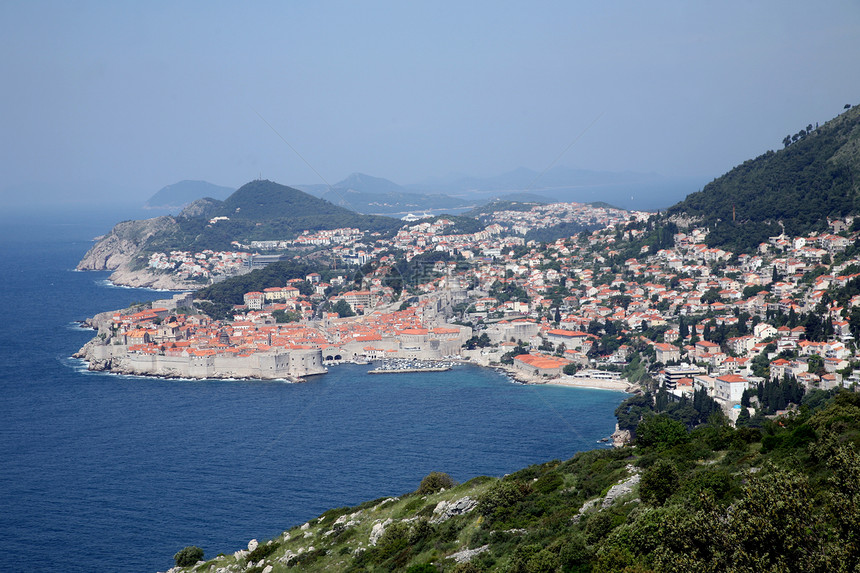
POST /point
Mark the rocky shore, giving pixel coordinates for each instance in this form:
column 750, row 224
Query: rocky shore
column 572, row 382
column 117, row 250
column 145, row 279
column 119, row 247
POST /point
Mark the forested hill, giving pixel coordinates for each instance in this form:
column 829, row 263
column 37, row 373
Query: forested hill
column 261, row 210
column 263, row 200
column 816, row 175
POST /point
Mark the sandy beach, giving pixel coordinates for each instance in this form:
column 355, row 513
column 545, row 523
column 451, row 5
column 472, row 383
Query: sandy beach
column 617, row 385
column 570, row 381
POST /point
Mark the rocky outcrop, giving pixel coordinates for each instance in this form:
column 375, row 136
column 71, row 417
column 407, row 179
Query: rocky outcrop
column 621, row 438
column 377, row 530
column 117, row 250
column 445, row 510
column 124, row 241
column 205, row 207
column 145, row 279
column 466, row 555
column 621, row 489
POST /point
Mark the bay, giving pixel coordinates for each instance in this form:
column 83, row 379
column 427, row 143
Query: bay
column 111, row 473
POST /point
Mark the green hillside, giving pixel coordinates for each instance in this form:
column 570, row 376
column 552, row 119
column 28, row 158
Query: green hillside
column 263, row 210
column 815, row 176
column 287, row 210
column 784, row 497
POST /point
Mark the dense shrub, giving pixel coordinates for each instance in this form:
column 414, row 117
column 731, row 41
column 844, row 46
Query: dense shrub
column 548, row 483
column 661, row 432
column 435, row 481
column 188, row 556
column 500, row 497
column 658, row 482
column 422, row 568
column 715, row 482
column 263, row 550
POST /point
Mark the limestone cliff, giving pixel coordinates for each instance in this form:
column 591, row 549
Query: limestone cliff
column 145, row 279
column 205, row 207
column 124, row 241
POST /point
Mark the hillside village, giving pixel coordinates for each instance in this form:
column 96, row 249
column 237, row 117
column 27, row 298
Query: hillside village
column 637, row 301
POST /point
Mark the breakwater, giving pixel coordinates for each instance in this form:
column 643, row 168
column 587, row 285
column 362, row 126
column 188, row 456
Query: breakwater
column 408, row 366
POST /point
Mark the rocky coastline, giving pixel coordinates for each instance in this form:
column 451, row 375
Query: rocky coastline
column 124, row 276
column 120, row 246
column 117, row 250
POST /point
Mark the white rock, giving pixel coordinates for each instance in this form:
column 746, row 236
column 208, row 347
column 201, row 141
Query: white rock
column 450, row 509
column 589, row 505
column 378, row 530
column 620, row 489
column 306, row 526
column 268, row 569
column 253, row 544
column 386, row 500
column 241, row 554
column 466, row 555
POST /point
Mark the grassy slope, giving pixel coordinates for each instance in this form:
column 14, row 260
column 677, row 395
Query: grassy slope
column 793, row 489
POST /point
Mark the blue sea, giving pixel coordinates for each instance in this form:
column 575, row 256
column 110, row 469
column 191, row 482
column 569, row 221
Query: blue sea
column 100, row 472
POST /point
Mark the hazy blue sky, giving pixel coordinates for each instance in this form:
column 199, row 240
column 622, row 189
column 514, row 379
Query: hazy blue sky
column 127, row 97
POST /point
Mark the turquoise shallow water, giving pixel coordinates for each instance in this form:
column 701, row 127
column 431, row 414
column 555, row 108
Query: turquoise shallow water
column 111, row 473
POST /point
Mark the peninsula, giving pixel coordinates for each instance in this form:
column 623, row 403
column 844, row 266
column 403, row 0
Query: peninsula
column 718, row 321
column 633, row 299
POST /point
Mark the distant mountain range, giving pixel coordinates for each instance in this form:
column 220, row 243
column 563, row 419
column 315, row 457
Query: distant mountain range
column 815, row 176
column 630, row 190
column 375, row 195
column 367, row 194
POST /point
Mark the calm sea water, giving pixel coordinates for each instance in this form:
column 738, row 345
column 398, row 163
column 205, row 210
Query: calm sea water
column 111, row 473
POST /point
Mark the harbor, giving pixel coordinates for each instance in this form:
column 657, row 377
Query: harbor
column 401, row 366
